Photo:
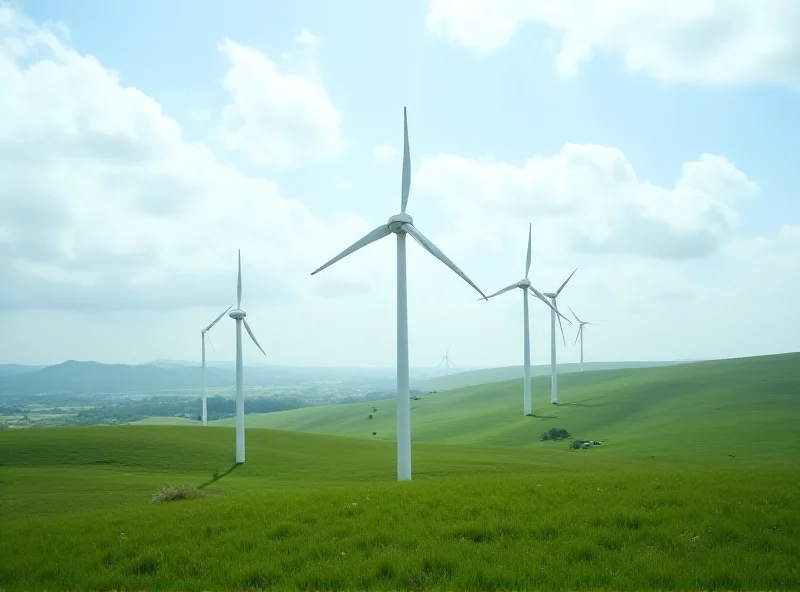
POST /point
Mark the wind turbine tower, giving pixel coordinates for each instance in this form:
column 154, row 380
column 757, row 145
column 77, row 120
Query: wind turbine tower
column 580, row 331
column 553, row 313
column 446, row 361
column 203, row 372
column 239, row 316
column 525, row 285
column 402, row 224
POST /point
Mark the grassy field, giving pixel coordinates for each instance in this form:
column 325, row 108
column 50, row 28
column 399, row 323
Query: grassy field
column 696, row 487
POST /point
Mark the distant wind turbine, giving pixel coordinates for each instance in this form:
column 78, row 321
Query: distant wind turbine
column 402, row 224
column 203, row 337
column 239, row 316
column 580, row 331
column 554, row 374
column 525, row 285
column 446, row 361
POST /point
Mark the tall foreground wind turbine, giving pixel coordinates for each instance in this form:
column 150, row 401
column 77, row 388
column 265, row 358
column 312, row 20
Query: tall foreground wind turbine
column 525, row 285
column 553, row 313
column 239, row 316
column 203, row 337
column 402, row 224
column 580, row 331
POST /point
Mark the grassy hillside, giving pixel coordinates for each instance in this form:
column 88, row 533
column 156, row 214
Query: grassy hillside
column 486, row 375
column 743, row 407
column 321, row 512
column 695, row 488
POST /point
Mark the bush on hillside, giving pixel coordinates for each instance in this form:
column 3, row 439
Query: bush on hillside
column 174, row 493
column 578, row 444
column 555, row 434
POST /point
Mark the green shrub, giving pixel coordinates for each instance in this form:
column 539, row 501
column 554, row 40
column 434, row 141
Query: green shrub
column 174, row 493
column 555, row 434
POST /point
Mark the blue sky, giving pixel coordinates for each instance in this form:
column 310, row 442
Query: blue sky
column 502, row 105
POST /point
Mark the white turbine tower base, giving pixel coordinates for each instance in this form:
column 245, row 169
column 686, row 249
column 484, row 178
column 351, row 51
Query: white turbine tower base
column 203, row 364
column 239, row 316
column 525, row 285
column 553, row 369
column 402, row 224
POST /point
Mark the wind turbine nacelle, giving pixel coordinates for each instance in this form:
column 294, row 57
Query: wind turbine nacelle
column 237, row 314
column 525, row 284
column 550, row 294
column 397, row 221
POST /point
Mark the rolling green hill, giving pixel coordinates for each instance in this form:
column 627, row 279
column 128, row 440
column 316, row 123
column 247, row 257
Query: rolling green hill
column 695, row 487
column 485, row 375
column 742, row 407
column 320, row 512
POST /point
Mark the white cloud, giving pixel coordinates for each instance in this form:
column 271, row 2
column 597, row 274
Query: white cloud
column 384, row 153
column 726, row 41
column 106, row 206
column 592, row 200
column 278, row 117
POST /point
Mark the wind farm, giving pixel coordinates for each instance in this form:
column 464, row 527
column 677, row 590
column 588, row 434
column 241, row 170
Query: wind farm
column 399, row 414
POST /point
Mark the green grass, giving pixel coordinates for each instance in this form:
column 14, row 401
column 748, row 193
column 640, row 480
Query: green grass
column 696, row 488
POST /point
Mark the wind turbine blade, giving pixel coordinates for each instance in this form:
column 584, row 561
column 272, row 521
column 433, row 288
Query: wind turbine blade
column 253, row 337
column 577, row 335
column 573, row 314
column 215, row 321
column 546, row 300
column 210, row 343
column 506, row 289
column 406, row 165
column 560, row 326
column 565, row 283
column 377, row 234
column 433, row 250
column 528, row 261
column 440, row 363
column 239, row 283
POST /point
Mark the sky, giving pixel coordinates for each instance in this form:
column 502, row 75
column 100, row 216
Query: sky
column 652, row 145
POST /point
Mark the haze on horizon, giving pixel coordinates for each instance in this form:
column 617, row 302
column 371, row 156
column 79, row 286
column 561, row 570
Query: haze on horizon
column 663, row 168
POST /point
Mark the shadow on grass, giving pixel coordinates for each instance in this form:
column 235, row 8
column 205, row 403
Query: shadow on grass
column 217, row 476
column 542, row 416
column 577, row 404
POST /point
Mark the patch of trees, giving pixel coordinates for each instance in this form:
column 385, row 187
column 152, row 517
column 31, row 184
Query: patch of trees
column 555, row 434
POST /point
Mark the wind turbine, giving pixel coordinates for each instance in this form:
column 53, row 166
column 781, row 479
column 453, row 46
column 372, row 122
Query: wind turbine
column 203, row 337
column 446, row 361
column 239, row 316
column 402, row 224
column 554, row 376
column 525, row 285
column 580, row 331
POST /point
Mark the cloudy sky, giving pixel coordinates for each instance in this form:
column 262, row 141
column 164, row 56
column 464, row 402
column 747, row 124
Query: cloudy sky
column 653, row 145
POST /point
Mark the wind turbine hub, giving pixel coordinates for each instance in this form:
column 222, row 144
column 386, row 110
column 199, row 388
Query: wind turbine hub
column 525, row 284
column 396, row 222
column 550, row 294
column 237, row 314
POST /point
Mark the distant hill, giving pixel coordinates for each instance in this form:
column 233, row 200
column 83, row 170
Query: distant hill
column 73, row 377
column 8, row 369
column 486, row 375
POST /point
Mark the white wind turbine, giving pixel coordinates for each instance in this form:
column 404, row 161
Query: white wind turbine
column 203, row 337
column 525, row 285
column 446, row 361
column 239, row 315
column 402, row 224
column 580, row 331
column 553, row 313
